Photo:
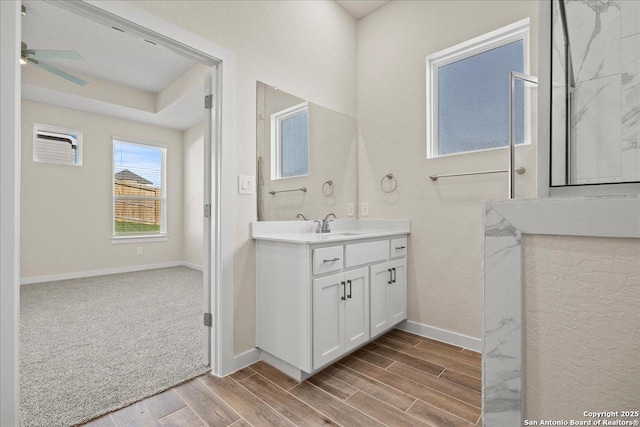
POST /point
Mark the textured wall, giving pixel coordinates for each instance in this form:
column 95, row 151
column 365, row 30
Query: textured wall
column 66, row 212
column 445, row 247
column 306, row 48
column 582, row 325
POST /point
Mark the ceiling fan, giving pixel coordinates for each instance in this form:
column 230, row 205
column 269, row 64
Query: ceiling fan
column 35, row 56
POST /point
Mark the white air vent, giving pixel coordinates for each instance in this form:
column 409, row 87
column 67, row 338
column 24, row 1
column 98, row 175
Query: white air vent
column 57, row 145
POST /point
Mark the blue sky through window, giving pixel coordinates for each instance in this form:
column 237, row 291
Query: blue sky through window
column 142, row 160
column 473, row 100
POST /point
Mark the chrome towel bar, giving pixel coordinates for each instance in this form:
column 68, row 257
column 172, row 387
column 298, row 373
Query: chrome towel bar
column 303, row 189
column 519, row 171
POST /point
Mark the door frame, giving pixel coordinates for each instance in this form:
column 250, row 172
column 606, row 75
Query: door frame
column 222, row 181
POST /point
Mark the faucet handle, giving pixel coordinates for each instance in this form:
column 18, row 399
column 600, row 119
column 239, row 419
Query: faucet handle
column 326, row 218
column 319, row 228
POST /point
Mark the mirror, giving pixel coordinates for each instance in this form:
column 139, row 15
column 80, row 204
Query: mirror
column 306, row 158
column 595, row 119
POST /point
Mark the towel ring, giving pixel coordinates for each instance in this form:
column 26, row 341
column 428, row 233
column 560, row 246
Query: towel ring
column 389, row 177
column 327, row 188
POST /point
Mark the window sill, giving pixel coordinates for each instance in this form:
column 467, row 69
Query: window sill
column 118, row 240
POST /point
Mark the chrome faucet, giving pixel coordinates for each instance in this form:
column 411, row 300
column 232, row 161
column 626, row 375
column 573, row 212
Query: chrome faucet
column 323, row 226
column 325, row 223
column 301, row 216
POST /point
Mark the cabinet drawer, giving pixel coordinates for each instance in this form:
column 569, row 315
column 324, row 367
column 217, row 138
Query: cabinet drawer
column 365, row 253
column 398, row 247
column 328, row 259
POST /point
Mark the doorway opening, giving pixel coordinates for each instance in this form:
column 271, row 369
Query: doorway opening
column 104, row 15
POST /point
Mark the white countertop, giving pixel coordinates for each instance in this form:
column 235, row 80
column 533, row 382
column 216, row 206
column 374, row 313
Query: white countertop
column 303, row 232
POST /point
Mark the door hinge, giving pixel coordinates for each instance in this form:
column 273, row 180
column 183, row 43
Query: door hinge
column 208, row 102
column 208, row 320
column 207, row 210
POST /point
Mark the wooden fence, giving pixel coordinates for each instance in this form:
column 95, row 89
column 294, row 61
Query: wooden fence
column 137, row 210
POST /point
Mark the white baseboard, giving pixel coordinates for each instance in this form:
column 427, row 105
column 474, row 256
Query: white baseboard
column 448, row 337
column 192, row 265
column 102, row 272
column 247, row 358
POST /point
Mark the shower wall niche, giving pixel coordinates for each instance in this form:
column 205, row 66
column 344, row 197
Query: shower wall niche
column 595, row 68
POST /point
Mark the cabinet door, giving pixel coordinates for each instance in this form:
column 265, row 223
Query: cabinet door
column 356, row 308
column 329, row 294
column 380, row 280
column 397, row 293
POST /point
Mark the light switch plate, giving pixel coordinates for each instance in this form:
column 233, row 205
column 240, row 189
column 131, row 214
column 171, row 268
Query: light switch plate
column 365, row 209
column 246, row 184
column 350, row 209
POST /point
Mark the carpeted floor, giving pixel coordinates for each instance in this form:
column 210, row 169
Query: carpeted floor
column 92, row 345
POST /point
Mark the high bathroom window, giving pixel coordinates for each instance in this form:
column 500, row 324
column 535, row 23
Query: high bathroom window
column 468, row 92
column 290, row 142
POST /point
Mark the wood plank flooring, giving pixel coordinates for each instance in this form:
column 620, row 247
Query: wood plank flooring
column 400, row 379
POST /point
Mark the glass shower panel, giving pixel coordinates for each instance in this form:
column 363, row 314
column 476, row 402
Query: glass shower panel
column 523, row 119
column 560, row 86
column 595, row 116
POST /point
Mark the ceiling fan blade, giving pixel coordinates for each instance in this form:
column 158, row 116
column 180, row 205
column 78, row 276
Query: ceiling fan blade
column 58, row 72
column 53, row 54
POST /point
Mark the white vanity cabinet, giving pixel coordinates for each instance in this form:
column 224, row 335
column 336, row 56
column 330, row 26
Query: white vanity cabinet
column 340, row 314
column 388, row 295
column 318, row 301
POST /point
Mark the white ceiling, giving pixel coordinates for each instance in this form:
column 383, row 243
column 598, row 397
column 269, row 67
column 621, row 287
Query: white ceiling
column 111, row 56
column 122, row 59
column 361, row 8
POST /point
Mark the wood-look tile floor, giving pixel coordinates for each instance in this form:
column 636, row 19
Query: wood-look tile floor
column 400, row 379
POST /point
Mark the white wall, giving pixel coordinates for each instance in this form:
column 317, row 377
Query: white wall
column 193, row 155
column 445, row 246
column 9, row 212
column 66, row 212
column 582, row 336
column 306, row 48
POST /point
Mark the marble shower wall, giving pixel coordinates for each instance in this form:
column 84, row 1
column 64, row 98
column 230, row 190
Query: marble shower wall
column 605, row 49
column 558, row 98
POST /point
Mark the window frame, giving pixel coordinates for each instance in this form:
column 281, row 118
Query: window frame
column 140, row 237
column 276, row 139
column 516, row 31
column 40, row 127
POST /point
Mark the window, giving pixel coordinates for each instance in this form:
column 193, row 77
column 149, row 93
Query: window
column 139, row 189
column 290, row 142
column 52, row 144
column 468, row 92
